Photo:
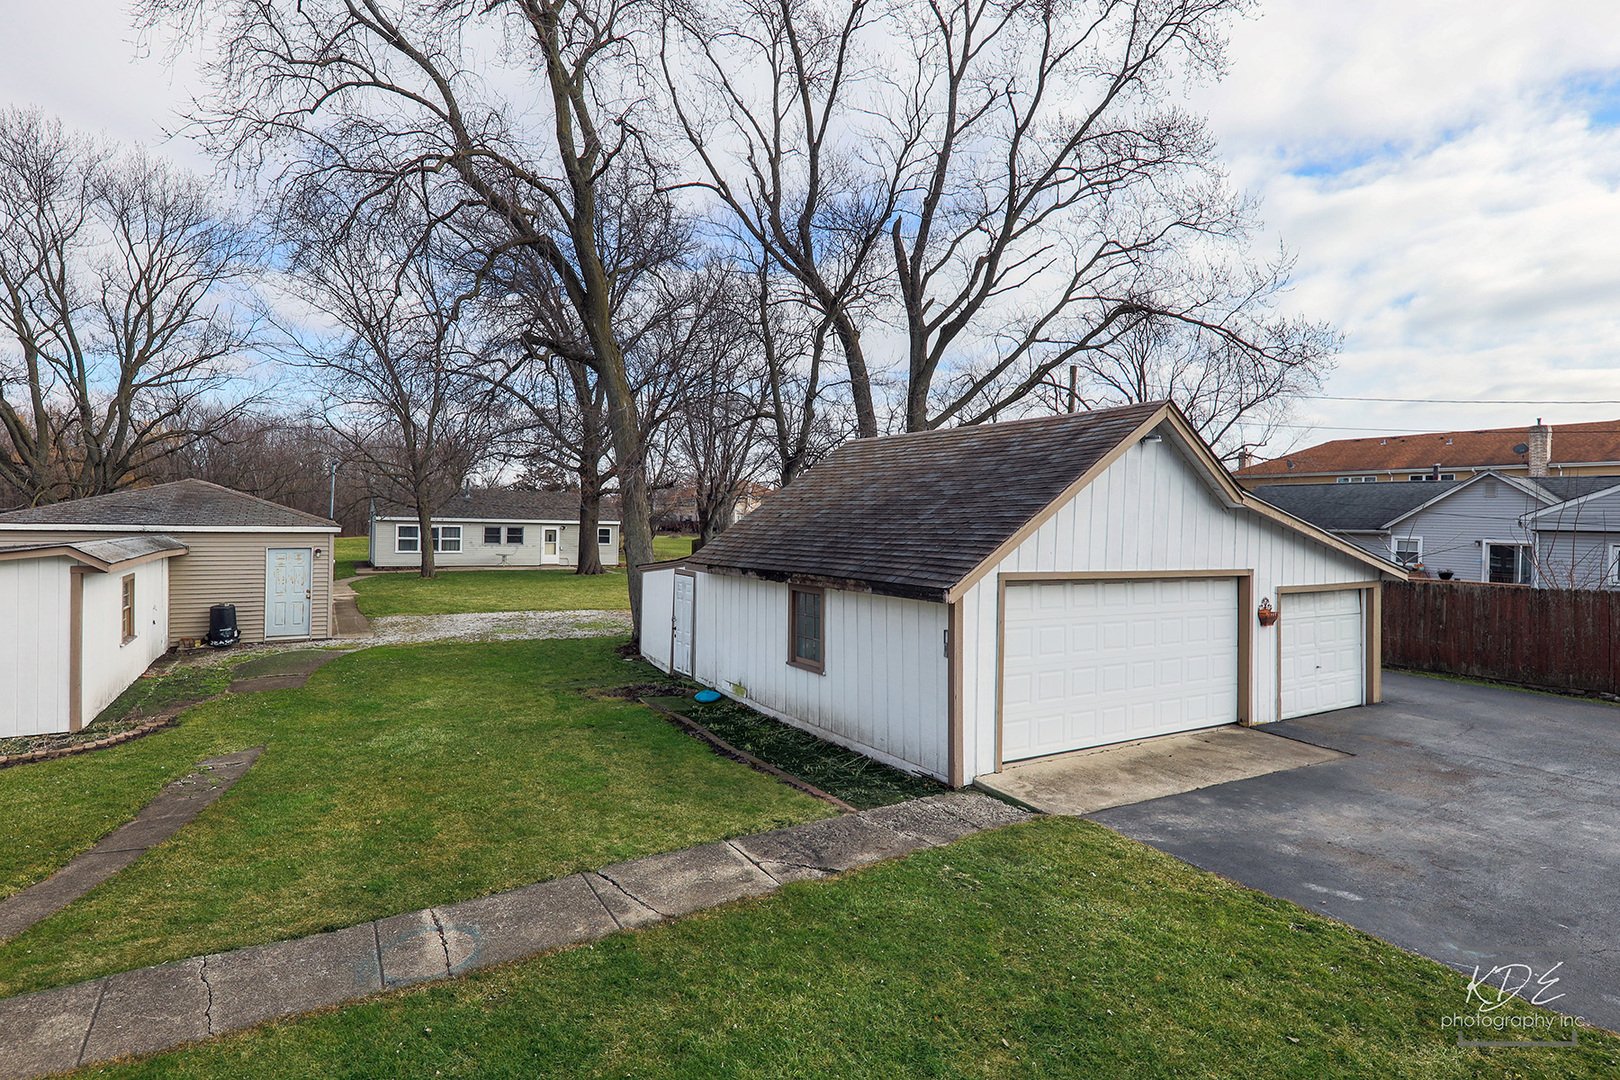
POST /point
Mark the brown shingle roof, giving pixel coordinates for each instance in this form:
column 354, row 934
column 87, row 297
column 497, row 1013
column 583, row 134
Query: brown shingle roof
column 178, row 505
column 912, row 515
column 1571, row 443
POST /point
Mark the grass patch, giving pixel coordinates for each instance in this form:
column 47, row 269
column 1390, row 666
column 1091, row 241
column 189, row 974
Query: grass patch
column 140, row 700
column 1048, row 951
column 459, row 591
column 667, row 547
column 396, row 779
column 858, row 780
column 346, row 551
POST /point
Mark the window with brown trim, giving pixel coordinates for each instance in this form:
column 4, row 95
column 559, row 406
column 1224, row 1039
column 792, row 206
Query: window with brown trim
column 807, row 627
column 129, row 608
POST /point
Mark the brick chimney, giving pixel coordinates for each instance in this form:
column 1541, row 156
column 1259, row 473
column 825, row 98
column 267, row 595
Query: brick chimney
column 1540, row 448
column 1245, row 459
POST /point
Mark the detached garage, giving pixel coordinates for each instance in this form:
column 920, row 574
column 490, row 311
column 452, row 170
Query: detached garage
column 951, row 601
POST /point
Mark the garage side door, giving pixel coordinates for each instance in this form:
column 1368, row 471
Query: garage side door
column 1321, row 645
column 1090, row 663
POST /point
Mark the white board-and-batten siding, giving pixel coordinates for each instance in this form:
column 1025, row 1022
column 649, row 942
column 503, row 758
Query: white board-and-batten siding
column 36, row 597
column 1150, row 511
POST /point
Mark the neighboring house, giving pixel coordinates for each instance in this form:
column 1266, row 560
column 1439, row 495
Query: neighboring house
column 273, row 563
column 492, row 528
column 952, row 600
column 1540, row 450
column 1492, row 527
column 79, row 622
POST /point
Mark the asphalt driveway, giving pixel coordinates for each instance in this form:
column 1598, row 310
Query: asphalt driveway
column 1474, row 825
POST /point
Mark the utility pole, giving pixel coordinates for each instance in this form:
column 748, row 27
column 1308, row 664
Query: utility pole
column 1074, row 373
column 331, row 501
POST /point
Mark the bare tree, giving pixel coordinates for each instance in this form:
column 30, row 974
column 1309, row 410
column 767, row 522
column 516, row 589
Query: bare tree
column 400, row 383
column 382, row 92
column 122, row 308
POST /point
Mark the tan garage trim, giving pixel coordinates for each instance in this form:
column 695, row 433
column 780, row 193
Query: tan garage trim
column 1245, row 624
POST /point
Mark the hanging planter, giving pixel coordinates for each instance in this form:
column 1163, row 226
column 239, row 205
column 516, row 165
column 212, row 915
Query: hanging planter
column 1268, row 614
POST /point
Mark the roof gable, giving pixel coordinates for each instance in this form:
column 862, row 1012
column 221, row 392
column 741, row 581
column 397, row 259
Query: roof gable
column 925, row 515
column 178, row 505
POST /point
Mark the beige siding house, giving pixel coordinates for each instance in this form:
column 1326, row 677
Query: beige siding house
column 951, row 601
column 273, row 563
column 491, row 529
column 78, row 623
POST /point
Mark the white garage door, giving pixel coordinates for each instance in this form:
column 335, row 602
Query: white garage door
column 1321, row 652
column 1089, row 663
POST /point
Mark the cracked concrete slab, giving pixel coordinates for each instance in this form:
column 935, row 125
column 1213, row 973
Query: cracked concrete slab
column 682, row 882
column 826, row 846
column 625, row 910
column 925, row 819
column 252, row 985
column 979, row 810
column 149, row 1010
column 412, row 948
column 44, row 1033
column 513, row 925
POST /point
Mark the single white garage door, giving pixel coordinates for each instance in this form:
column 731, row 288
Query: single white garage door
column 1096, row 662
column 1321, row 651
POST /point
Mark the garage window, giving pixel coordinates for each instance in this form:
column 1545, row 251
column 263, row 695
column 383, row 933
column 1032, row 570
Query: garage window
column 129, row 608
column 806, row 629
column 604, row 537
column 407, row 538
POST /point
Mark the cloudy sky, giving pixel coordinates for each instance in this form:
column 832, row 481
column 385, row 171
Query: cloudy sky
column 1446, row 173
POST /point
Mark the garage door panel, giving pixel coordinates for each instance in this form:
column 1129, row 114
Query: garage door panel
column 1142, row 658
column 1322, row 666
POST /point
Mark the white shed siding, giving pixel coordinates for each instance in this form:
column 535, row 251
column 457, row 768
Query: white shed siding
column 1149, row 511
column 109, row 664
column 35, row 597
column 657, row 595
column 885, row 688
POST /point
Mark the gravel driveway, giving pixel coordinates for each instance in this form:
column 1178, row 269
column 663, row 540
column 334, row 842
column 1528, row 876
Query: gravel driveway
column 496, row 626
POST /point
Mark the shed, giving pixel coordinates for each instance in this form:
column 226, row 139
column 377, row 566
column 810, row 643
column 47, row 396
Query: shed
column 78, row 623
column 954, row 600
column 274, row 563
column 491, row 528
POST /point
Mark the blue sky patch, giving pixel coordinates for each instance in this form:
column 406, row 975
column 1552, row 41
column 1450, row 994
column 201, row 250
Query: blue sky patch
column 1597, row 94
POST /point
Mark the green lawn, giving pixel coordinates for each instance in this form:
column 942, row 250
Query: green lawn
column 458, row 591
column 1052, row 951
column 671, row 547
column 396, row 779
column 347, row 551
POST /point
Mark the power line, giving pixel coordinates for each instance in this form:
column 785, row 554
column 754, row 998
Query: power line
column 1470, row 401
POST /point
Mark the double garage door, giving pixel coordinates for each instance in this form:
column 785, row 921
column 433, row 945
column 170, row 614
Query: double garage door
column 1087, row 663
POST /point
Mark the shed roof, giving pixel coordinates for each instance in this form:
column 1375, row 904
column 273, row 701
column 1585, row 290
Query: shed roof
column 178, row 505
column 912, row 515
column 502, row 504
column 104, row 554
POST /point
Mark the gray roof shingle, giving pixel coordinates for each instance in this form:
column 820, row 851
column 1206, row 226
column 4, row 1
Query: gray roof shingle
column 912, row 515
column 177, row 505
column 111, row 551
column 1352, row 507
column 503, row 504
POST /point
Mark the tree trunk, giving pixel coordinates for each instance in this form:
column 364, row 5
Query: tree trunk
column 424, row 525
column 590, row 513
column 860, row 380
column 589, row 560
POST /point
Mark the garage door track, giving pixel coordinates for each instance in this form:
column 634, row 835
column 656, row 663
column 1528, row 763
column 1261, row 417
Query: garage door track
column 1476, row 825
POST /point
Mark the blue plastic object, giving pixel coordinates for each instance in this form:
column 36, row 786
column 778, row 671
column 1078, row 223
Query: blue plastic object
column 706, row 696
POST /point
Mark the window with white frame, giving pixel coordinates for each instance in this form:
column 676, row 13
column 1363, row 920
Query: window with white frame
column 1409, row 550
column 1433, row 476
column 514, row 534
column 447, row 538
column 407, row 538
column 1357, row 480
column 492, row 534
column 1611, row 574
column 604, row 537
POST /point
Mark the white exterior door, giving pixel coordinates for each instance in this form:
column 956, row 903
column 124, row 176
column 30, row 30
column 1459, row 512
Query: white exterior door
column 1096, row 662
column 1322, row 659
column 550, row 549
column 680, row 655
column 287, row 592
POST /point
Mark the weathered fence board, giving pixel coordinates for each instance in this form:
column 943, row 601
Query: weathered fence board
column 1562, row 638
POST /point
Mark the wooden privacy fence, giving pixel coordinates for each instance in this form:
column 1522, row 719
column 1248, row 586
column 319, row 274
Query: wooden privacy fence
column 1562, row 638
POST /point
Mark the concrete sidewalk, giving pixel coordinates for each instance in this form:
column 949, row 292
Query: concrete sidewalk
column 155, row 1009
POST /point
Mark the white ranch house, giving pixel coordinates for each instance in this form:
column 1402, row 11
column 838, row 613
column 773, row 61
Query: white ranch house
column 951, row 601
column 491, row 528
